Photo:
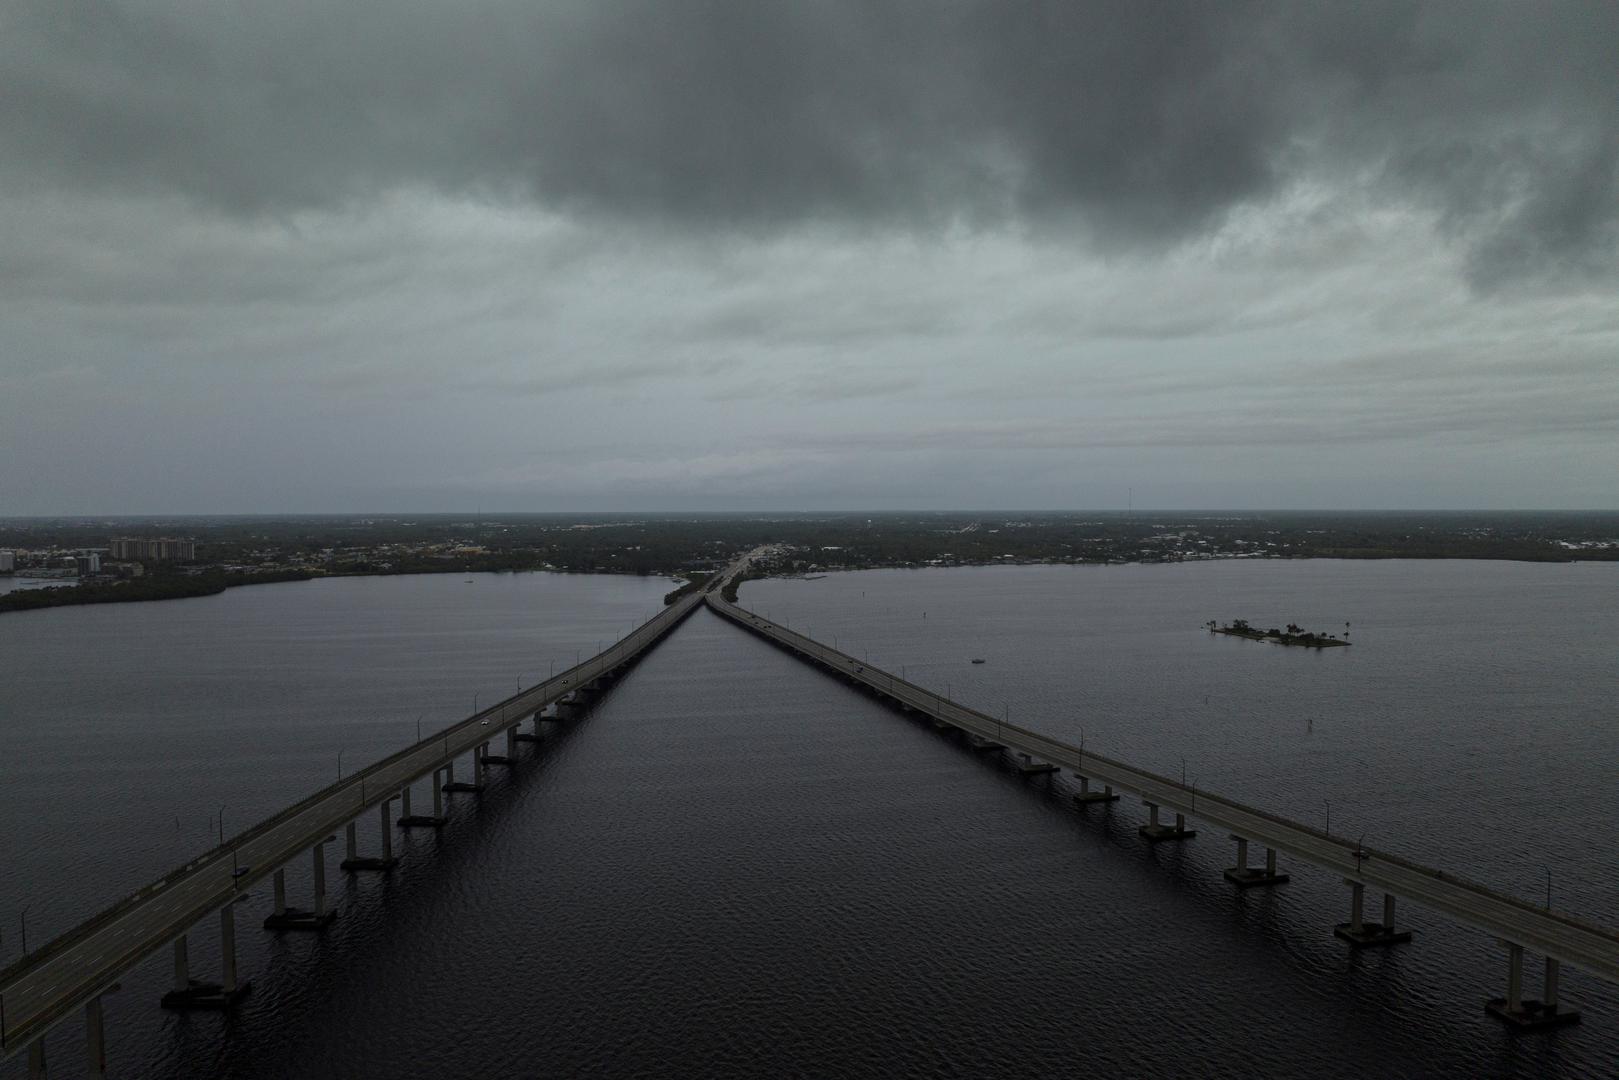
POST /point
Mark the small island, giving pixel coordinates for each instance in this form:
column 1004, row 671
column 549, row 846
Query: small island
column 1293, row 635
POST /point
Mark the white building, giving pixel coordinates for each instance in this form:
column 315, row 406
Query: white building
column 8, row 561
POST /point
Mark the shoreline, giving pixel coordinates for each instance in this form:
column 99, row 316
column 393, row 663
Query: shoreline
column 142, row 590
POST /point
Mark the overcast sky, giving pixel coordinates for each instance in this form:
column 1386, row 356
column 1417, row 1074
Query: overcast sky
column 524, row 255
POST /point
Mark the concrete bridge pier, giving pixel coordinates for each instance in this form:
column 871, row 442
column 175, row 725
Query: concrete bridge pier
column 1086, row 796
column 1244, row 876
column 408, row 820
column 1530, row 1014
column 1028, row 766
column 523, row 736
column 1154, row 832
column 95, row 1033
column 189, row 993
column 387, row 860
column 450, row 782
column 36, row 1059
column 1360, row 933
column 489, row 759
column 291, row 918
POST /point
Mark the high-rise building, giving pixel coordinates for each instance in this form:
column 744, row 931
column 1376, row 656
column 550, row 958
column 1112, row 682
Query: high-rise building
column 165, row 550
column 88, row 563
column 8, row 561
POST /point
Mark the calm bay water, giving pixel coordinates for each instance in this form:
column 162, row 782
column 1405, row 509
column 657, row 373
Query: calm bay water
column 737, row 867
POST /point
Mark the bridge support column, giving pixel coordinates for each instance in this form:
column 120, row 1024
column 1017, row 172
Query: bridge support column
column 318, row 860
column 487, row 759
column 386, row 862
column 182, row 964
column 1153, row 832
column 1360, row 933
column 36, row 1059
column 96, row 1040
column 1244, row 876
column 291, row 918
column 1030, row 767
column 523, row 736
column 1086, row 796
column 385, row 816
column 1530, row 1014
column 227, row 949
column 189, row 993
column 407, row 820
column 451, row 784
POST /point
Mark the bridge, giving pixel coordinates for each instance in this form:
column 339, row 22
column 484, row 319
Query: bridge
column 72, row 972
column 1517, row 924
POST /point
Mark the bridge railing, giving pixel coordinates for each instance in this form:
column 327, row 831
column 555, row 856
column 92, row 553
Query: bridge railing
column 31, row 960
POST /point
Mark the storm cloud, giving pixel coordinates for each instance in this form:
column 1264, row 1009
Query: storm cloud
column 858, row 227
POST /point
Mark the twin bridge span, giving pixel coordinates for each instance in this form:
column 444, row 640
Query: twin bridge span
column 70, row 974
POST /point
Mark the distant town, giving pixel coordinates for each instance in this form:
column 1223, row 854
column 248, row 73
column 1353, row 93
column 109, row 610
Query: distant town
column 57, row 562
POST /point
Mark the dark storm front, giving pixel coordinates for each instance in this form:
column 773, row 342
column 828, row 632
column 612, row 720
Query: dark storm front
column 735, row 865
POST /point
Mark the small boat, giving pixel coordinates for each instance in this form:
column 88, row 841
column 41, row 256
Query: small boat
column 978, row 659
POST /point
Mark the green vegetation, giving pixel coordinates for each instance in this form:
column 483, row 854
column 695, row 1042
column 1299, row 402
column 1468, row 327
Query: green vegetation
column 1293, row 635
column 695, row 584
column 243, row 550
column 156, row 587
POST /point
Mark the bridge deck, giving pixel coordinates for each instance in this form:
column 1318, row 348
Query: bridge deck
column 50, row 983
column 1561, row 937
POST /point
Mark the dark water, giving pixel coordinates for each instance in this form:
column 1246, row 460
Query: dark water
column 736, row 867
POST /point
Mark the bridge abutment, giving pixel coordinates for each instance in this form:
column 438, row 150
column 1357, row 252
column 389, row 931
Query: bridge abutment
column 1244, row 876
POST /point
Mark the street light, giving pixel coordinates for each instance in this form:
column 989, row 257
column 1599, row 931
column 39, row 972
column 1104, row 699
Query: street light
column 340, row 764
column 22, row 917
column 1328, row 805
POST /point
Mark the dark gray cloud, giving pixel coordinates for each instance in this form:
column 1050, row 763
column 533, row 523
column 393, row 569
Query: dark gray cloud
column 1129, row 125
column 584, row 254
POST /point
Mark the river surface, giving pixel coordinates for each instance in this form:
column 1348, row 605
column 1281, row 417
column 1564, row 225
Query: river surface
column 738, row 867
